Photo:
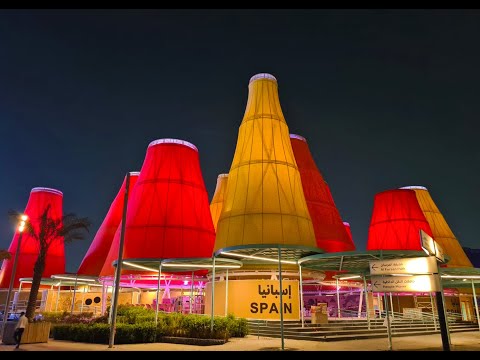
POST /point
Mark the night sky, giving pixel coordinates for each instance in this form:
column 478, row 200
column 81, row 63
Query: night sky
column 385, row 98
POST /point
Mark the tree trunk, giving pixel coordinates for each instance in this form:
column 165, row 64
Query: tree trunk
column 37, row 278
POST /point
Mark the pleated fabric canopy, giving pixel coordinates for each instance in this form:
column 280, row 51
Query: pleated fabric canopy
column 349, row 232
column 40, row 198
column 218, row 198
column 396, row 221
column 440, row 229
column 168, row 214
column 97, row 253
column 264, row 201
column 329, row 230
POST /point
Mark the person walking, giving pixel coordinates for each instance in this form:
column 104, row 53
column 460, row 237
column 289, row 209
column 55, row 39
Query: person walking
column 20, row 328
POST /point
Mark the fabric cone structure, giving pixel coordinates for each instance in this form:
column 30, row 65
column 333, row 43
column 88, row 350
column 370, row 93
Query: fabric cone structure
column 168, row 214
column 440, row 229
column 329, row 229
column 264, row 201
column 218, row 198
column 396, row 221
column 96, row 255
column 40, row 198
column 349, row 232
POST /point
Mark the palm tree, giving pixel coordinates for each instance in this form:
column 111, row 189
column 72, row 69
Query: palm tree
column 69, row 227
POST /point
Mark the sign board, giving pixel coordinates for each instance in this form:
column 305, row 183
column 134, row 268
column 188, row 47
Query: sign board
column 431, row 247
column 255, row 299
column 427, row 243
column 417, row 283
column 439, row 254
column 418, row 265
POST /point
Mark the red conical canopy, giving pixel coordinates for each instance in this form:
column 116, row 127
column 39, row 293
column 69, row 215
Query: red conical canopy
column 40, row 198
column 349, row 232
column 396, row 221
column 97, row 253
column 168, row 214
column 329, row 230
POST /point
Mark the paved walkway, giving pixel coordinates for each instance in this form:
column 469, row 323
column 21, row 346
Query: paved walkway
column 465, row 341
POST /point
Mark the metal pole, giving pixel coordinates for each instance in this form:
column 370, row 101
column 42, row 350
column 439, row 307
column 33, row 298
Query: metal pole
column 389, row 330
column 433, row 311
column 442, row 317
column 158, row 291
column 391, row 305
column 213, row 294
column 16, row 298
column 379, row 301
column 104, row 295
column 226, row 294
column 118, row 269
column 74, row 292
column 191, row 295
column 338, row 301
column 281, row 295
column 12, row 280
column 360, row 304
column 58, row 295
column 301, row 295
column 367, row 308
column 476, row 304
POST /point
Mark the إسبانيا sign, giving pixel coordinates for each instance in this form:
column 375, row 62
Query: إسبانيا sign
column 255, row 299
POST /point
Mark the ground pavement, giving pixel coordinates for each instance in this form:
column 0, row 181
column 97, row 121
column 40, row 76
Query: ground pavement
column 462, row 341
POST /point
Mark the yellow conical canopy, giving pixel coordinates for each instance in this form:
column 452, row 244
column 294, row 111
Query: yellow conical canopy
column 440, row 229
column 264, row 201
column 218, row 197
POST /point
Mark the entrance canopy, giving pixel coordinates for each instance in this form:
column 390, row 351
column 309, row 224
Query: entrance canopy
column 261, row 253
column 179, row 264
column 356, row 262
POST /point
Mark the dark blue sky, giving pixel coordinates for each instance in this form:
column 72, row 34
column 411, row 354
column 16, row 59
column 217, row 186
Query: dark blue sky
column 385, row 98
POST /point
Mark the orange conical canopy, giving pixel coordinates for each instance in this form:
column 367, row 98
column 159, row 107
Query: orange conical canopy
column 440, row 229
column 264, row 201
column 329, row 230
column 218, row 198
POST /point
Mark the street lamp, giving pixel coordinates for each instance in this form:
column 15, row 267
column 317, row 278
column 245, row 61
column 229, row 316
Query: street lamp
column 21, row 227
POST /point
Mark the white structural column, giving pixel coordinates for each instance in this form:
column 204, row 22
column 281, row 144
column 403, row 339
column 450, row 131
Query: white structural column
column 281, row 295
column 391, row 305
column 74, row 293
column 387, row 319
column 338, row 302
column 433, row 311
column 302, row 316
column 158, row 291
column 226, row 294
column 367, row 309
column 476, row 303
column 360, row 303
column 212, row 302
column 58, row 294
column 191, row 295
column 379, row 301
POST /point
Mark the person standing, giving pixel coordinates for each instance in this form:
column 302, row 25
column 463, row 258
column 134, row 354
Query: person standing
column 20, row 328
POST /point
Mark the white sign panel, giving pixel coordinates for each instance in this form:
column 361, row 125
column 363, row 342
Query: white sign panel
column 417, row 283
column 418, row 265
column 431, row 247
column 427, row 243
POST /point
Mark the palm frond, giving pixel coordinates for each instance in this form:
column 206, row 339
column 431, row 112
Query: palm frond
column 5, row 255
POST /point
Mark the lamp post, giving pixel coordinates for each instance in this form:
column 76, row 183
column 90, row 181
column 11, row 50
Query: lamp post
column 21, row 227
